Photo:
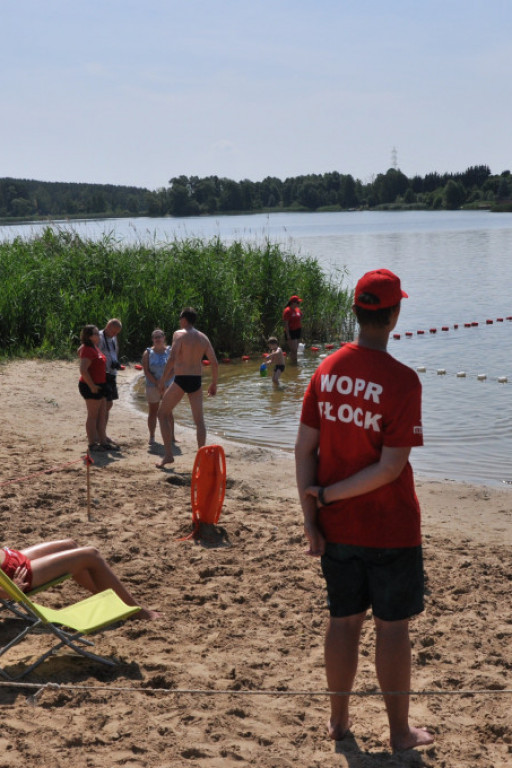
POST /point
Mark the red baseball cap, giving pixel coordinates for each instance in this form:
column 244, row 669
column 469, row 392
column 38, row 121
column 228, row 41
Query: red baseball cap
column 384, row 285
column 294, row 298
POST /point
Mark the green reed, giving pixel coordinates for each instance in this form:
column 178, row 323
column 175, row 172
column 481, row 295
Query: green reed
column 54, row 284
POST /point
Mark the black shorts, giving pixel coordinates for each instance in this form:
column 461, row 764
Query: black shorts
column 390, row 581
column 87, row 394
column 111, row 388
column 296, row 333
column 188, row 384
column 279, row 368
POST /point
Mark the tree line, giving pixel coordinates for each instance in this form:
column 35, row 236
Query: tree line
column 476, row 187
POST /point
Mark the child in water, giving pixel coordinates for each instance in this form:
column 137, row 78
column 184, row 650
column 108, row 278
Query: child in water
column 276, row 358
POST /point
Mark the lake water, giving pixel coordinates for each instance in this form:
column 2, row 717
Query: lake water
column 456, row 267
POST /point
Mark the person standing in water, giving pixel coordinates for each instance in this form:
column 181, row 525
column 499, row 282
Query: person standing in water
column 189, row 347
column 292, row 319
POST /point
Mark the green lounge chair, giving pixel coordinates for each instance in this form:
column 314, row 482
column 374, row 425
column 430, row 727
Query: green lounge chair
column 95, row 613
column 20, row 613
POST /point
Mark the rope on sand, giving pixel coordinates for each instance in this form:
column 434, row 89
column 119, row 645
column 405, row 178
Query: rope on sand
column 40, row 688
column 43, row 472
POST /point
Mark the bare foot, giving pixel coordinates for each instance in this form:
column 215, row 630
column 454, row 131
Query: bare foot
column 165, row 460
column 145, row 615
column 417, row 737
column 337, row 731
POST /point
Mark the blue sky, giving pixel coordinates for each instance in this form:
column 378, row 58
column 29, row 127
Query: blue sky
column 138, row 91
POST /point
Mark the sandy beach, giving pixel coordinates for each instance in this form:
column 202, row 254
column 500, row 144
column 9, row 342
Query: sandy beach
column 233, row 674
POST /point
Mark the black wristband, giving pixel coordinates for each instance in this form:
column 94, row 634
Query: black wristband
column 321, row 498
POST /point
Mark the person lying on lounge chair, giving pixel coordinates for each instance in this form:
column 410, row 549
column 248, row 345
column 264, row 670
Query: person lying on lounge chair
column 30, row 568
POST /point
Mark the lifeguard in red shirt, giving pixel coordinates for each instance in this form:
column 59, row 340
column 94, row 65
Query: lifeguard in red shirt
column 360, row 418
column 292, row 319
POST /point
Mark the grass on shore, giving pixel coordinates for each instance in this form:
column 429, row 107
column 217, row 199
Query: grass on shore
column 53, row 284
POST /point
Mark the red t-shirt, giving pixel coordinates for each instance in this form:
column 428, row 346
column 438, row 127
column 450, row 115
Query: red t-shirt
column 293, row 316
column 360, row 400
column 98, row 366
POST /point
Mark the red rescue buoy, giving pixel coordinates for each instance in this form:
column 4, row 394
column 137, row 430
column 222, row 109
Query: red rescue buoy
column 138, row 367
column 396, row 335
column 420, row 332
column 206, row 362
column 245, row 357
column 315, row 349
column 208, row 484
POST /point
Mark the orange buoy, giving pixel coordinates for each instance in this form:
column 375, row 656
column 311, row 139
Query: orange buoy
column 208, row 484
column 138, row 367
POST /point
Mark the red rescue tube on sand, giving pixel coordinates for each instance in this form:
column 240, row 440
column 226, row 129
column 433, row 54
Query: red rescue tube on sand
column 208, row 485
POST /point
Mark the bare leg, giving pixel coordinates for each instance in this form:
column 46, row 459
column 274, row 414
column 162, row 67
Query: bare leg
column 95, row 423
column 88, row 569
column 393, row 663
column 196, row 405
column 341, row 655
column 276, row 376
column 49, row 548
column 294, row 345
column 152, row 418
column 170, row 400
column 107, row 414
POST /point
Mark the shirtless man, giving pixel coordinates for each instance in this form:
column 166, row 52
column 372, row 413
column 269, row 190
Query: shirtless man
column 189, row 346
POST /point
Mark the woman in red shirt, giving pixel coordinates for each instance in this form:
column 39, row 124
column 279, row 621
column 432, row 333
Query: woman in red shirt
column 292, row 318
column 91, row 386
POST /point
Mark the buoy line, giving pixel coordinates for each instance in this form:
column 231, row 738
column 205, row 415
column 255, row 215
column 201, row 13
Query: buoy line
column 463, row 375
column 445, row 328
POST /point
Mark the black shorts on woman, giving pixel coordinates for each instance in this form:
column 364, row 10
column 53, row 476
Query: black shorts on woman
column 88, row 394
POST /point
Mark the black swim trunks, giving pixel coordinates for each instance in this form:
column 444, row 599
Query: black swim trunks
column 279, row 368
column 188, row 384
